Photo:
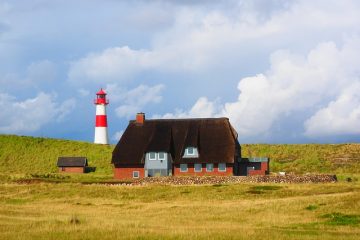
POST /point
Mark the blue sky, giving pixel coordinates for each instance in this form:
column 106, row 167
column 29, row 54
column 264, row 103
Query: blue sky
column 282, row 71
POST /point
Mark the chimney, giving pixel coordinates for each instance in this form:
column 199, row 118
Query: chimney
column 140, row 118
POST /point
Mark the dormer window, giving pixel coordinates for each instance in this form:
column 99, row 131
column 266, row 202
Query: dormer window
column 191, row 152
column 156, row 156
column 161, row 156
column 152, row 156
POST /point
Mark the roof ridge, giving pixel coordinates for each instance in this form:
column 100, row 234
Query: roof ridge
column 182, row 119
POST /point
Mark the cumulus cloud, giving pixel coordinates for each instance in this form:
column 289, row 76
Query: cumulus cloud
column 202, row 40
column 31, row 114
column 201, row 109
column 339, row 117
column 134, row 100
column 296, row 83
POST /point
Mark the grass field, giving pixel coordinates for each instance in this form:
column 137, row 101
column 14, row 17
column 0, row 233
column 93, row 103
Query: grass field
column 241, row 211
column 63, row 207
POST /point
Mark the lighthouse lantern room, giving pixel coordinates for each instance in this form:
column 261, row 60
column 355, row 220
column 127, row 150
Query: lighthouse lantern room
column 101, row 132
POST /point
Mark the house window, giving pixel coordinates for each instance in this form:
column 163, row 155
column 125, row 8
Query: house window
column 152, row 156
column 161, row 156
column 191, row 152
column 198, row 167
column 136, row 174
column 183, row 167
column 222, row 167
column 209, row 167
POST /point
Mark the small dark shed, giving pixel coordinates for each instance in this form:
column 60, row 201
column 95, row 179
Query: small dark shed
column 254, row 166
column 72, row 164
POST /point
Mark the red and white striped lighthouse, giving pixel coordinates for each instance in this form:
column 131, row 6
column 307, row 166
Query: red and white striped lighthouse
column 101, row 132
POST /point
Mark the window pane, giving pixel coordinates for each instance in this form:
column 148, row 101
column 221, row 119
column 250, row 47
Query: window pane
column 209, row 167
column 161, row 155
column 183, row 167
column 190, row 150
column 198, row 167
column 135, row 174
column 222, row 167
column 152, row 156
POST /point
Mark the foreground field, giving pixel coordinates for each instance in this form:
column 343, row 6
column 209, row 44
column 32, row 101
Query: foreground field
column 234, row 211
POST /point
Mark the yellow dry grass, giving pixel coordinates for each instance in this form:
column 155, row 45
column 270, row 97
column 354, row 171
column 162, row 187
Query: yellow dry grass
column 235, row 211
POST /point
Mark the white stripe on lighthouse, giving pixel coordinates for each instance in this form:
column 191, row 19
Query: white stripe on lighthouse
column 101, row 135
column 100, row 109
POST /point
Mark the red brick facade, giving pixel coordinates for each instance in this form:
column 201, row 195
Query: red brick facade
column 262, row 171
column 126, row 172
column 191, row 171
column 72, row 169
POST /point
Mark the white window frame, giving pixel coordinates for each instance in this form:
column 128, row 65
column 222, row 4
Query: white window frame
column 207, row 167
column 224, row 168
column 152, row 159
column 195, row 167
column 187, row 168
column 163, row 157
column 138, row 174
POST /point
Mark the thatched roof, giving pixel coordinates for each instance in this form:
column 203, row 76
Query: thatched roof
column 215, row 139
column 72, row 162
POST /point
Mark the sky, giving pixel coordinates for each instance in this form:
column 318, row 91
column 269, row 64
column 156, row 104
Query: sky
column 282, row 71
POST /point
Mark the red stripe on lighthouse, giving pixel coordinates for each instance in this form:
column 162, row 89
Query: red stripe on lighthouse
column 101, row 121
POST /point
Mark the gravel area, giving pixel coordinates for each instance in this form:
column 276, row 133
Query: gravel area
column 320, row 178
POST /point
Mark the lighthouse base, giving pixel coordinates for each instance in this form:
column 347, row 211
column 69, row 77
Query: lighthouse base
column 101, row 135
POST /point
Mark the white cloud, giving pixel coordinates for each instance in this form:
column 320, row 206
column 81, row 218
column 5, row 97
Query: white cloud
column 31, row 114
column 134, row 100
column 339, row 117
column 295, row 83
column 201, row 40
column 109, row 65
column 201, row 109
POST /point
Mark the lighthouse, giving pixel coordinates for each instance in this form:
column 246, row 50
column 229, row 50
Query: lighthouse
column 101, row 132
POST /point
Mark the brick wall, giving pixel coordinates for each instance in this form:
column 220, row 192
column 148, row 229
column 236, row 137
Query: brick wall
column 126, row 172
column 72, row 169
column 191, row 172
column 262, row 171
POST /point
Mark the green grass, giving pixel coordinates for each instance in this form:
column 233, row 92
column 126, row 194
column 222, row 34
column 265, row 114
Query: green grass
column 341, row 159
column 30, row 155
column 342, row 219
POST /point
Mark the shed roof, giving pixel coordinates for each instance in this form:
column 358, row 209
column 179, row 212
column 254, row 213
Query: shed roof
column 72, row 162
column 255, row 159
column 215, row 139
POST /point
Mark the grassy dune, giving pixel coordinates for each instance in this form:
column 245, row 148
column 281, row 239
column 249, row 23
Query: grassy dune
column 304, row 158
column 21, row 155
column 39, row 155
column 241, row 211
